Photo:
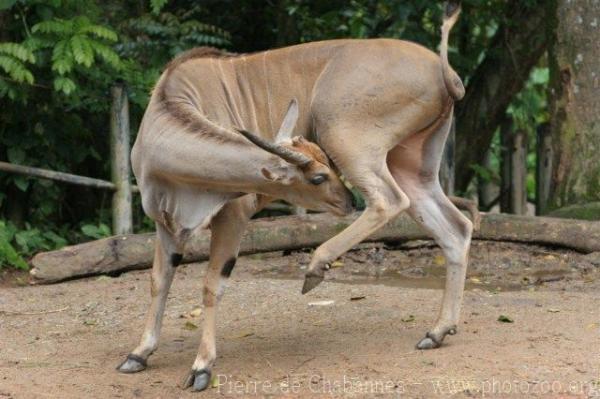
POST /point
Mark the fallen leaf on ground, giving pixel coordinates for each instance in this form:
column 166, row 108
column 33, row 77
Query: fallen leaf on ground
column 408, row 319
column 551, row 310
column 337, row 263
column 243, row 334
column 439, row 260
column 321, row 303
column 505, row 319
column 196, row 312
column 189, row 326
column 193, row 314
column 357, row 298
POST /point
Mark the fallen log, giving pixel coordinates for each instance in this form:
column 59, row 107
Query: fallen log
column 134, row 251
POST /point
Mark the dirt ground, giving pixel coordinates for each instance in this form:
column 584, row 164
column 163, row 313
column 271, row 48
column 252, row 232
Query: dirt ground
column 354, row 336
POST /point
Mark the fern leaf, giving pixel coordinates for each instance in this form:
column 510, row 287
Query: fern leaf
column 64, row 84
column 80, row 22
column 57, row 26
column 101, row 32
column 63, row 65
column 15, row 69
column 61, row 50
column 34, row 43
column 18, row 51
column 108, row 55
column 82, row 50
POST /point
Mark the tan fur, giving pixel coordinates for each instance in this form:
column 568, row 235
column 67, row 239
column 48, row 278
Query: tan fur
column 379, row 109
column 312, row 150
column 198, row 52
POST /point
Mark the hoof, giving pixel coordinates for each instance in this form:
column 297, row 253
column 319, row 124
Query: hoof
column 432, row 341
column 132, row 364
column 198, row 380
column 427, row 343
column 311, row 281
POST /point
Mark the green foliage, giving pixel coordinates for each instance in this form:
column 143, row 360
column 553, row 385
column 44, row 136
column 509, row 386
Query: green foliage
column 157, row 5
column 529, row 110
column 483, row 173
column 588, row 211
column 155, row 39
column 96, row 231
column 17, row 244
column 73, row 42
column 58, row 61
column 8, row 254
column 14, row 58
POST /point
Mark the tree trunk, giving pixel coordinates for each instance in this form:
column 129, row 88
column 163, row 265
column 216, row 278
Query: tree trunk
column 517, row 46
column 575, row 101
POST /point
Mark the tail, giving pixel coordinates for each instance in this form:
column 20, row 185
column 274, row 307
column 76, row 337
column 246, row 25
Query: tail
column 453, row 83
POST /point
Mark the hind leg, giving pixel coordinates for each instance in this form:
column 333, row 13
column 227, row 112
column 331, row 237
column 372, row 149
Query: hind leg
column 452, row 232
column 166, row 258
column 415, row 165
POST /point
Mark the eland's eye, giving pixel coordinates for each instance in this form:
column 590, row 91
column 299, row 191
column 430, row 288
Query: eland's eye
column 318, row 179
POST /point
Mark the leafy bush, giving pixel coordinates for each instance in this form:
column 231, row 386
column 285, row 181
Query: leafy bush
column 16, row 244
column 8, row 254
column 96, row 231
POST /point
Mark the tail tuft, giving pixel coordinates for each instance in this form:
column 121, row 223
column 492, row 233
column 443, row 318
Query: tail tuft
column 452, row 7
column 451, row 79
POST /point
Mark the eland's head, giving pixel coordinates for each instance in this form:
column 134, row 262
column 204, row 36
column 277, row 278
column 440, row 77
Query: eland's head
column 306, row 174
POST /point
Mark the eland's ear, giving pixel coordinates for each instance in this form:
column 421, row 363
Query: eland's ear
column 289, row 122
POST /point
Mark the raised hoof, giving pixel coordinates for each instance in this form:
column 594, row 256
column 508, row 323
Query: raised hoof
column 132, row 364
column 198, row 380
column 310, row 282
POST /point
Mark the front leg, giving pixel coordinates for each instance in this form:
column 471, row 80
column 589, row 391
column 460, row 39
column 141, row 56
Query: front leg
column 385, row 200
column 166, row 259
column 227, row 228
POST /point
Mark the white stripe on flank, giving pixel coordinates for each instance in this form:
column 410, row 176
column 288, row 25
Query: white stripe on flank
column 268, row 91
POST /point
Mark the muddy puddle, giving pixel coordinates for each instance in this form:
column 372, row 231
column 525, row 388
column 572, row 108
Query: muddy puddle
column 493, row 266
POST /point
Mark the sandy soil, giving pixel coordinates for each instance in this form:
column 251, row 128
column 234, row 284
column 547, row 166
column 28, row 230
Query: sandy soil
column 64, row 340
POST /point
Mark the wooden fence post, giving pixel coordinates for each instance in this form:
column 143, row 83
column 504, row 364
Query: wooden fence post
column 514, row 170
column 119, row 150
column 543, row 168
column 447, row 165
